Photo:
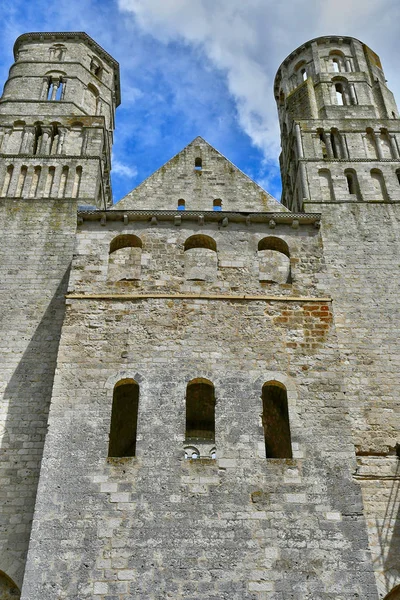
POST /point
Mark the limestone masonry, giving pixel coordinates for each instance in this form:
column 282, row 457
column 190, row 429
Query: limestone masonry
column 200, row 385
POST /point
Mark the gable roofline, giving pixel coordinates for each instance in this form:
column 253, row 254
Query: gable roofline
column 54, row 36
column 115, row 206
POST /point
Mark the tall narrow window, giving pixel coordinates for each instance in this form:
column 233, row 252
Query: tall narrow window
column 398, row 175
column 96, row 68
column 198, row 164
column 217, row 204
column 335, row 64
column 340, row 99
column 200, row 411
column 35, row 182
column 124, row 416
column 274, row 260
column 200, row 258
column 7, row 181
column 275, row 419
column 63, row 182
column 48, row 188
column 181, row 204
column 323, row 145
column 303, row 74
column 326, row 185
column 125, row 258
column 21, row 182
column 77, row 182
column 380, row 191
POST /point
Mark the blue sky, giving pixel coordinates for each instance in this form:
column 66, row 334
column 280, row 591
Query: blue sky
column 202, row 67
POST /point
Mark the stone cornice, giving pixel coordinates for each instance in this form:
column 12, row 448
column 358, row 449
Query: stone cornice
column 222, row 218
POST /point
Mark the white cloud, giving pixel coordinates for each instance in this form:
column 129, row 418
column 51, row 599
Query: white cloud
column 248, row 40
column 123, row 170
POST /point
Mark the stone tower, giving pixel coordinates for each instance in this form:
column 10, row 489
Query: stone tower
column 340, row 155
column 56, row 125
column 339, row 125
column 217, row 372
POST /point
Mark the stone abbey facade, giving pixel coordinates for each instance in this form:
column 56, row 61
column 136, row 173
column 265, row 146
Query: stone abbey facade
column 200, row 385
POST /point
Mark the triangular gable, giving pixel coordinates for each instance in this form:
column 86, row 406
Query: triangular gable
column 217, row 179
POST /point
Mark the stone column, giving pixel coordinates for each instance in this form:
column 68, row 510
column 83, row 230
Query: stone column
column 299, row 143
column 377, row 145
column 62, row 132
column 46, row 141
column 352, row 91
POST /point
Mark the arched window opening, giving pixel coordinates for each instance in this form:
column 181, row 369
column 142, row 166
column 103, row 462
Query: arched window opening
column 385, row 145
column 394, row 594
column 191, row 453
column 200, row 411
column 217, row 204
column 8, row 589
column 7, row 181
column 48, row 188
column 398, row 175
column 301, row 71
column 352, row 183
column 125, row 258
column 181, row 204
column 21, row 181
column 323, row 145
column 124, row 416
column 275, row 420
column 55, row 89
column 63, row 182
column 274, row 260
column 380, row 191
column 37, row 140
column 326, row 185
column 77, row 182
column 198, row 164
column 336, row 65
column 35, row 185
column 303, row 74
column 96, row 68
column 200, row 258
column 340, row 98
column 54, row 141
column 335, row 144
column 370, row 143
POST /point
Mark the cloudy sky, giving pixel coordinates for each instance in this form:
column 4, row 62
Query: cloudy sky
column 202, row 67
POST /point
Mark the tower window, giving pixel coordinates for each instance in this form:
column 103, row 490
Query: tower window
column 198, row 164
column 181, row 204
column 124, row 416
column 323, row 145
column 200, row 411
column 55, row 89
column 335, row 63
column 398, row 175
column 275, row 419
column 379, row 185
column 217, row 204
column 340, row 99
column 350, row 183
column 96, row 68
column 303, row 74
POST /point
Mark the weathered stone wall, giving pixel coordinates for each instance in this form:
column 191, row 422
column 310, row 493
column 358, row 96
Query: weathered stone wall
column 35, row 255
column 361, row 249
column 218, row 179
column 157, row 525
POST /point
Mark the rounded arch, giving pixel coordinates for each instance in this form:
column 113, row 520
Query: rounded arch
column 92, row 88
column 200, row 410
column 335, row 52
column 127, row 381
column 394, row 594
column 200, row 241
column 8, row 589
column 201, row 380
column 125, row 241
column 55, row 74
column 299, row 65
column 274, row 243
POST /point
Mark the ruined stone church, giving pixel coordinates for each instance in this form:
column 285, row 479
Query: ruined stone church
column 199, row 384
